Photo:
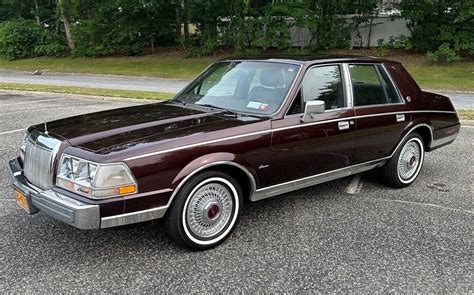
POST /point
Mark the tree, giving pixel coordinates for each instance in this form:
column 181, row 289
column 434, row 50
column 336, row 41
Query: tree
column 64, row 8
column 443, row 28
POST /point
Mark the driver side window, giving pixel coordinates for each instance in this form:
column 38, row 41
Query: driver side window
column 324, row 83
column 320, row 83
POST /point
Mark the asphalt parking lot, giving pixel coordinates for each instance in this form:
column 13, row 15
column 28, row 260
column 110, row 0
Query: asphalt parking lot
column 341, row 236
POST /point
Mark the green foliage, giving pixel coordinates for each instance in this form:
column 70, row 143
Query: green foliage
column 445, row 29
column 444, row 53
column 23, row 38
column 207, row 49
column 120, row 27
column 382, row 51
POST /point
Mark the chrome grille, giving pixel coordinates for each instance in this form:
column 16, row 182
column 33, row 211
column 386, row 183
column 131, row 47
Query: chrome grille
column 38, row 160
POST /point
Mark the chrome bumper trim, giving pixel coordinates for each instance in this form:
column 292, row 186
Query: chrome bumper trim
column 58, row 206
column 443, row 140
column 133, row 217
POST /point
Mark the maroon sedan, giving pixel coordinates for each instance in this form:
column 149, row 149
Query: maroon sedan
column 243, row 130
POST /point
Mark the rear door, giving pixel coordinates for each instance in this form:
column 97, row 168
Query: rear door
column 381, row 113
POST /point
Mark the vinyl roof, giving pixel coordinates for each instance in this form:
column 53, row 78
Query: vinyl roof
column 309, row 59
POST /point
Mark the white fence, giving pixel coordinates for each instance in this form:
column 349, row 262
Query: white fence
column 383, row 27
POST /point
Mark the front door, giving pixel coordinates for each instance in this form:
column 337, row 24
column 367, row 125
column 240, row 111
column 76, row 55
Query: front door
column 307, row 149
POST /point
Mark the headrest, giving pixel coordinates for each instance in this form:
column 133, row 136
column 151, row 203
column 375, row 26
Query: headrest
column 272, row 78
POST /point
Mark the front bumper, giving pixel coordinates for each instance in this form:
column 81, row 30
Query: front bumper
column 58, row 206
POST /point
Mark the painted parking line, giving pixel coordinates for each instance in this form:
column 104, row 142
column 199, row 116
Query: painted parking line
column 355, row 186
column 411, row 203
column 34, row 101
column 12, row 131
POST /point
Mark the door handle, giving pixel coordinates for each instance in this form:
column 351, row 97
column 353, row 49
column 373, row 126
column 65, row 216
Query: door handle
column 343, row 125
column 400, row 117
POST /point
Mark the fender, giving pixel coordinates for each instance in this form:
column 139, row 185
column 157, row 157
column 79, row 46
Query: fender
column 210, row 160
column 419, row 122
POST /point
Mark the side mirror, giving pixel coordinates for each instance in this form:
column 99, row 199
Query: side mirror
column 312, row 107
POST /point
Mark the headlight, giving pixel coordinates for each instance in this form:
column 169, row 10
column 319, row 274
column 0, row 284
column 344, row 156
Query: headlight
column 95, row 180
column 23, row 147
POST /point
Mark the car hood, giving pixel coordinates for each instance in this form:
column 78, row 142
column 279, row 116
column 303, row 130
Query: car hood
column 116, row 130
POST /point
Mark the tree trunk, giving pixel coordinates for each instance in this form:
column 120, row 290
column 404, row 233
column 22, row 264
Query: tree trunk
column 371, row 23
column 67, row 29
column 186, row 19
column 178, row 18
column 37, row 16
column 152, row 43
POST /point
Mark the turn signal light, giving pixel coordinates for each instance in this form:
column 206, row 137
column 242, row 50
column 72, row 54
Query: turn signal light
column 127, row 189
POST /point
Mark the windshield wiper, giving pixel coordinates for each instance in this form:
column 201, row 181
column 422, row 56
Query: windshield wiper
column 180, row 101
column 211, row 106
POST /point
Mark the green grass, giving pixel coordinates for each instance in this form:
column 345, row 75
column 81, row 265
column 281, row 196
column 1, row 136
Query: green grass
column 87, row 91
column 466, row 114
column 452, row 76
column 163, row 66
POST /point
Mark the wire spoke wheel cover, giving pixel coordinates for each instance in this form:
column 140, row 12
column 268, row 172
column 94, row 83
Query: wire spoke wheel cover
column 410, row 159
column 210, row 210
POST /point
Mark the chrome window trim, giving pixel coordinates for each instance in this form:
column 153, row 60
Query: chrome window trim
column 400, row 97
column 379, row 105
column 348, row 85
column 341, row 71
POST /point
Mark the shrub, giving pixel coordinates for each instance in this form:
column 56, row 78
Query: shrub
column 444, row 53
column 207, row 49
column 22, row 38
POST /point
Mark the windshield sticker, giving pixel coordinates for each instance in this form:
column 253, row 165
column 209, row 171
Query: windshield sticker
column 257, row 106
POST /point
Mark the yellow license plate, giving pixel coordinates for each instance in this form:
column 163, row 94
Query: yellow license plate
column 22, row 201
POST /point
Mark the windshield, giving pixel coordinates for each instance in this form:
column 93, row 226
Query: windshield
column 247, row 87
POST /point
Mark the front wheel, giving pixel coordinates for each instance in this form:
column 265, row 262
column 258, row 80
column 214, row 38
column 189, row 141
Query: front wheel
column 205, row 211
column 405, row 165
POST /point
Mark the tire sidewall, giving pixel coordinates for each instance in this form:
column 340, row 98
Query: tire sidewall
column 412, row 138
column 182, row 202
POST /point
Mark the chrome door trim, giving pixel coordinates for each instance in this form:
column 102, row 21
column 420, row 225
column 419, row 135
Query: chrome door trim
column 297, row 184
column 198, row 144
column 280, row 129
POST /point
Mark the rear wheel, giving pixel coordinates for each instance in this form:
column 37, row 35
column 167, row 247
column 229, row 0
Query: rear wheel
column 405, row 165
column 205, row 211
